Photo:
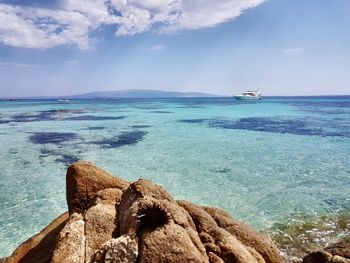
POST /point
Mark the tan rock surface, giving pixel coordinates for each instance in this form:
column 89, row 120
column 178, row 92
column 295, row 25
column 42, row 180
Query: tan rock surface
column 217, row 240
column 39, row 248
column 70, row 246
column 244, row 233
column 324, row 257
column 168, row 244
column 100, row 226
column 341, row 248
column 134, row 193
column 120, row 250
column 84, row 180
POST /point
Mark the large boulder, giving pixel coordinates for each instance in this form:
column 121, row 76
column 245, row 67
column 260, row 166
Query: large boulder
column 324, row 257
column 335, row 253
column 84, row 180
column 111, row 220
column 341, row 248
column 101, row 220
column 70, row 247
column 120, row 250
column 39, row 248
column 245, row 234
column 219, row 241
column 163, row 229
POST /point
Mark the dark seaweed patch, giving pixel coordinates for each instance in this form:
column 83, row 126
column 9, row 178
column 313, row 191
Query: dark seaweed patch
column 4, row 121
column 52, row 137
column 12, row 151
column 274, row 125
column 53, row 115
column 41, row 116
column 29, row 117
column 193, row 120
column 93, row 118
column 322, row 111
column 126, row 138
column 48, row 115
column 148, row 107
column 96, row 128
column 161, row 111
column 220, row 170
column 323, row 103
column 304, row 126
column 140, row 126
column 66, row 159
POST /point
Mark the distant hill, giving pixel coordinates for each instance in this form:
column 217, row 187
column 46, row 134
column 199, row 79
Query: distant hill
column 139, row 94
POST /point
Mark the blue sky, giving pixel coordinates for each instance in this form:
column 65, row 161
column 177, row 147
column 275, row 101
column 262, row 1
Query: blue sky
column 283, row 47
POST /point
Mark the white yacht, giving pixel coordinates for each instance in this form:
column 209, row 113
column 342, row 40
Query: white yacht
column 249, row 95
column 64, row 100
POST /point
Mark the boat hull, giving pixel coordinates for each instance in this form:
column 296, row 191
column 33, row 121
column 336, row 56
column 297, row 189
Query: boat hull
column 247, row 98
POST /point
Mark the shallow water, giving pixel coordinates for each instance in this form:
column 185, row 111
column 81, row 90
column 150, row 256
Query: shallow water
column 267, row 163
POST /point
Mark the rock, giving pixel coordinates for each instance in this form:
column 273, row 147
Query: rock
column 120, row 250
column 111, row 220
column 169, row 243
column 219, row 241
column 335, row 253
column 214, row 258
column 70, row 246
column 134, row 192
column 341, row 248
column 244, row 233
column 163, row 213
column 108, row 196
column 324, row 257
column 39, row 248
column 100, row 226
column 84, row 180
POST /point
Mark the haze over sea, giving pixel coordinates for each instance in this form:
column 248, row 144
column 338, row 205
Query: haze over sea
column 268, row 163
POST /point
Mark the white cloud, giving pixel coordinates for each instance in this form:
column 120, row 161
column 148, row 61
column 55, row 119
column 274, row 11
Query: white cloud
column 156, row 48
column 19, row 65
column 72, row 24
column 72, row 61
column 295, row 50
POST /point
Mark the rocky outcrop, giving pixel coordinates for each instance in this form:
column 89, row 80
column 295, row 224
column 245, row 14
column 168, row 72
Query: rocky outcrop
column 40, row 247
column 70, row 246
column 245, row 234
column 84, row 180
column 111, row 220
column 341, row 248
column 324, row 257
column 335, row 253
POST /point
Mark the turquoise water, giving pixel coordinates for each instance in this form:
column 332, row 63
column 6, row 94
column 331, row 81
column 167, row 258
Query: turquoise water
column 265, row 162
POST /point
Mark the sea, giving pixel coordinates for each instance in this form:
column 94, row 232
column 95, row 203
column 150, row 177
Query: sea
column 282, row 164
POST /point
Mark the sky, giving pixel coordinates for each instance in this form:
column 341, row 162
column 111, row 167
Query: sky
column 282, row 47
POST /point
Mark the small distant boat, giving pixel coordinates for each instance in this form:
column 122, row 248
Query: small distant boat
column 64, row 100
column 249, row 95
